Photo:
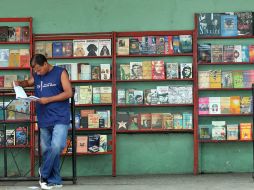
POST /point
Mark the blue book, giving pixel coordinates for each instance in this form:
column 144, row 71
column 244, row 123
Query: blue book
column 21, row 136
column 245, row 53
column 57, row 49
column 229, row 25
column 187, row 120
column 4, row 57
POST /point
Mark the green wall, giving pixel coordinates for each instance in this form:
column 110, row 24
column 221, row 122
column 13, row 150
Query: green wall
column 138, row 153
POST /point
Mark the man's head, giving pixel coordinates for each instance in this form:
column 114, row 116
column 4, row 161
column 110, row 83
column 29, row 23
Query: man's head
column 39, row 64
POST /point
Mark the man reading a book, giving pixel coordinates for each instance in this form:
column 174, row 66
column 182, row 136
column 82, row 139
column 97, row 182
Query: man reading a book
column 52, row 86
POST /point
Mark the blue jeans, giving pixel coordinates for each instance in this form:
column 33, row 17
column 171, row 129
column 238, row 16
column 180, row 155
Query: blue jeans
column 53, row 141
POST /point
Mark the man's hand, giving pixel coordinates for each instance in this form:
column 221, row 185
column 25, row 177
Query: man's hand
column 17, row 83
column 44, row 100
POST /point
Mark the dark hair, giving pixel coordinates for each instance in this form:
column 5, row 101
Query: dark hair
column 38, row 59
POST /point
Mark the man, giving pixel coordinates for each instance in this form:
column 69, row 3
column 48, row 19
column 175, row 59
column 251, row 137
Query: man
column 52, row 86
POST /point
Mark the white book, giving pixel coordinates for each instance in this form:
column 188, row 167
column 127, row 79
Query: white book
column 21, row 94
column 238, row 53
column 105, row 71
column 214, row 105
column 104, row 47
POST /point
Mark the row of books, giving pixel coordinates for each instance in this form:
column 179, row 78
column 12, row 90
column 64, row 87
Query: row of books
column 18, row 136
column 6, row 80
column 93, row 95
column 88, row 144
column 225, row 79
column 155, row 70
column 75, row 48
column 225, row 24
column 208, row 53
column 16, row 109
column 167, row 45
column 219, row 130
column 138, row 121
column 14, row 34
column 225, row 105
column 160, row 95
column 14, row 58
column 85, row 71
column 93, row 119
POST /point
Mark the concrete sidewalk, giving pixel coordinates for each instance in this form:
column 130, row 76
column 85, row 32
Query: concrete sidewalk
column 148, row 182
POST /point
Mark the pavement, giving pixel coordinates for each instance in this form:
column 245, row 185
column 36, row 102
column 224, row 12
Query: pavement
column 229, row 181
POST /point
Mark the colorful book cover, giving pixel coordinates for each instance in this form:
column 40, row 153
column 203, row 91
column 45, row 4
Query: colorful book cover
column 95, row 73
column 10, row 137
column 204, row 53
column 93, row 143
column 238, row 53
column 147, row 69
column 25, row 35
column 93, row 120
column 225, row 105
column 238, row 79
column 144, row 45
column 84, row 71
column 147, row 96
column 245, row 53
column 244, row 23
column 162, row 94
column 215, row 79
column 105, row 117
column 245, row 131
column 145, row 121
column 251, row 53
column 235, row 105
column 14, row 58
column 232, row 132
column 152, row 44
column 203, row 105
column 134, row 46
column 24, row 58
column 176, row 44
column 160, row 45
column 57, row 49
column 138, row 97
column 133, row 121
column 246, row 104
column 130, row 96
column 40, row 47
column 21, row 136
column 228, row 25
column 247, row 78
column 154, row 97
column 228, row 53
column 178, row 121
column 79, row 48
column 96, row 95
column 219, row 130
column 67, row 49
column 85, row 94
column 158, row 71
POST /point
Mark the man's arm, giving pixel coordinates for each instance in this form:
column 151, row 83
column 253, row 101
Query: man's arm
column 67, row 93
column 25, row 83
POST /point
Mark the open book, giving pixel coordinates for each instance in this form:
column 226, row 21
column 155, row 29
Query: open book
column 21, row 94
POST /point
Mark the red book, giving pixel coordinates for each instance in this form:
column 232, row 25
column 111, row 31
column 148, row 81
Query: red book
column 158, row 71
column 24, row 58
column 25, row 34
column 251, row 53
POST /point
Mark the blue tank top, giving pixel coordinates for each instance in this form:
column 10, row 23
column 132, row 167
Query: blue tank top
column 54, row 112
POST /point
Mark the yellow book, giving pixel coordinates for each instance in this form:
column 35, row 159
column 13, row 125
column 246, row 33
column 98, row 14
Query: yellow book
column 235, row 104
column 147, row 69
column 215, row 79
column 225, row 105
column 245, row 131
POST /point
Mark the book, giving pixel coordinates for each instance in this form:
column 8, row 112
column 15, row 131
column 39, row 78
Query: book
column 93, row 143
column 205, row 132
column 232, row 132
column 82, row 144
column 204, row 79
column 215, row 79
column 204, row 53
column 218, row 130
column 67, row 49
column 4, row 33
column 133, row 121
column 156, row 120
column 214, row 105
column 244, row 23
column 167, row 121
column 21, row 136
column 79, row 49
column 147, row 69
column 4, row 57
column 145, row 121
column 57, row 49
column 238, row 79
column 209, row 24
column 95, row 73
column 122, row 46
column 178, row 121
column 105, row 71
column 122, row 120
column 227, row 79
column 2, row 138
column 125, row 72
column 187, row 120
column 91, row 45
column 185, row 43
column 225, row 105
column 138, row 97
column 246, row 104
column 93, row 120
column 237, row 53
column 121, row 96
column 103, row 145
column 216, row 53
column 245, row 131
column 186, row 70
column 235, row 105
column 228, row 25
column 104, row 47
column 162, row 94
column 134, row 46
column 172, row 71
column 10, row 137
column 136, row 70
column 203, row 105
column 21, row 94
column 158, row 71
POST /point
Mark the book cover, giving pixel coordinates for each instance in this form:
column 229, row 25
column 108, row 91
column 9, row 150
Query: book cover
column 24, row 58
column 105, row 117
column 3, row 33
column 232, row 132
column 162, row 94
column 125, row 72
column 84, row 71
column 48, row 49
column 227, row 79
column 238, row 79
column 25, row 34
column 245, row 53
column 93, row 143
column 186, row 70
column 169, row 50
column 160, row 45
column 185, row 43
column 8, row 80
column 67, row 49
column 121, row 96
column 95, row 70
column 2, row 138
column 145, row 121
column 204, row 79
column 122, row 120
column 158, row 71
column 214, row 105
column 105, row 71
column 204, row 53
column 103, row 146
column 79, row 48
column 96, row 95
column 178, row 121
column 209, row 24
column 176, row 44
column 22, row 109
column 21, row 135
column 154, row 97
column 144, row 45
column 246, row 104
column 215, row 79
column 11, row 34
column 136, row 70
column 251, row 53
column 247, row 78
column 238, row 53
column 122, row 46
column 235, row 105
column 1, row 81
column 18, row 33
column 40, row 47
column 93, row 120
column 167, row 121
column 138, row 97
column 203, row 105
column 228, row 53
column 85, row 94
column 180, row 94
column 14, row 56
column 130, row 96
column 106, row 94
column 57, row 49
column 82, row 144
column 244, row 23
column 218, row 130
column 216, row 53
column 228, row 25
column 172, row 71
column 91, row 46
column 104, row 47
column 156, row 120
column 187, row 120
column 134, row 46
column 133, row 121
column 84, row 117
column 245, row 131
column 4, row 57
column 225, row 105
column 151, row 44
column 147, row 96
column 10, row 137
column 205, row 132
column 147, row 69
